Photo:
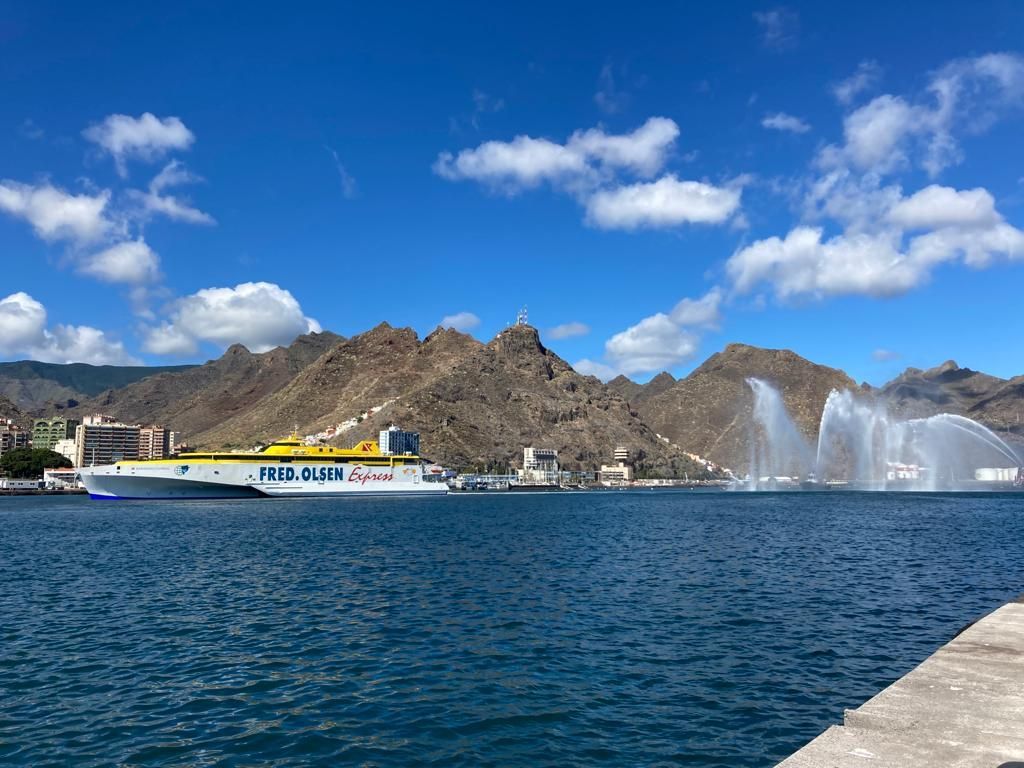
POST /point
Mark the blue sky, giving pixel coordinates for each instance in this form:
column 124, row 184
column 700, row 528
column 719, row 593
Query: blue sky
column 651, row 183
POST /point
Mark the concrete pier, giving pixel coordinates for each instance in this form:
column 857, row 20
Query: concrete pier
column 962, row 708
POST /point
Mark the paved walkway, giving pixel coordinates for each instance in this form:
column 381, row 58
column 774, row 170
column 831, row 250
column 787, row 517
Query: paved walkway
column 962, row 708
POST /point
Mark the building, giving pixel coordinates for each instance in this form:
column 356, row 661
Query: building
column 66, row 448
column 616, row 474
column 619, row 473
column 60, row 479
column 12, row 436
column 46, row 433
column 540, row 466
column 155, row 442
column 397, row 442
column 105, row 442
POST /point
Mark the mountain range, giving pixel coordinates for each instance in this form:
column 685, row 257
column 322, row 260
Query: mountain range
column 478, row 404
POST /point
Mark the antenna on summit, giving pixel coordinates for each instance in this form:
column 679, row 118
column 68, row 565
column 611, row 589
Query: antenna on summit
column 521, row 317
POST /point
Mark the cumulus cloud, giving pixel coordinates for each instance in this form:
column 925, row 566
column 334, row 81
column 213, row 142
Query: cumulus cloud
column 526, row 162
column 891, row 132
column 56, row 214
column 147, row 137
column 156, row 201
column 460, row 321
column 23, row 331
column 260, row 316
column 131, row 261
column 569, row 330
column 803, row 263
column 655, row 343
column 780, row 121
column 590, row 166
column 699, row 313
column 666, row 202
column 865, row 78
column 936, row 206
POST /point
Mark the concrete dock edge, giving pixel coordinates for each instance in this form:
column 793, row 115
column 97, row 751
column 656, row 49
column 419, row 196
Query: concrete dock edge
column 963, row 707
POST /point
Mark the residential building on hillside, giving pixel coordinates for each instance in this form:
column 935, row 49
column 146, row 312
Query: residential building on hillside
column 155, row 442
column 396, row 442
column 11, row 436
column 105, row 442
column 66, row 448
column 46, row 433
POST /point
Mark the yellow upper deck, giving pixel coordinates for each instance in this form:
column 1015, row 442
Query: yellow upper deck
column 292, row 449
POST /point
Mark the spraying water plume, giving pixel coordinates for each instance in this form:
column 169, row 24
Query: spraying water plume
column 860, row 443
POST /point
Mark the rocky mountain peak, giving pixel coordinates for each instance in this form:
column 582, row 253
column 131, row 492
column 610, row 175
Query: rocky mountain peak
column 519, row 346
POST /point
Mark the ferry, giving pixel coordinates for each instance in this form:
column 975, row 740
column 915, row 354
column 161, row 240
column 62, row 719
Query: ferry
column 285, row 468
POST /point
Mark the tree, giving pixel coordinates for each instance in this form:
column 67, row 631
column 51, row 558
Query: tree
column 30, row 462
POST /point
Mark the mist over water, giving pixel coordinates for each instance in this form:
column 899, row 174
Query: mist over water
column 860, row 442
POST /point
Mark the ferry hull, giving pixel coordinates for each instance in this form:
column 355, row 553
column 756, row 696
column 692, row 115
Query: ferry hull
column 170, row 480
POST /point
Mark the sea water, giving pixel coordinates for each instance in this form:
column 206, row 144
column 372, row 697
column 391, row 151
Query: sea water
column 622, row 628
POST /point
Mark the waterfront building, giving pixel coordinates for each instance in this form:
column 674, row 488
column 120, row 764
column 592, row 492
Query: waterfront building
column 12, row 436
column 46, row 433
column 155, row 442
column 397, row 442
column 540, row 466
column 105, row 442
column 617, row 474
column 61, row 478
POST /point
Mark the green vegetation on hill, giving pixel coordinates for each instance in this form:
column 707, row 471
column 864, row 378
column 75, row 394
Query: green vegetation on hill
column 30, row 462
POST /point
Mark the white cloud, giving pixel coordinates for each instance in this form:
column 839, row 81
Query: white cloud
column 865, row 78
column 875, row 133
column 22, row 323
column 569, row 330
column 259, row 315
column 869, row 263
column 936, row 206
column 55, row 214
column 666, row 202
column 460, row 321
column 699, row 313
column 803, row 264
column 654, row 344
column 23, row 331
column 592, row 368
column 147, row 137
column 526, row 162
column 131, row 261
column 176, row 208
column 889, row 132
column 780, row 121
column 779, row 27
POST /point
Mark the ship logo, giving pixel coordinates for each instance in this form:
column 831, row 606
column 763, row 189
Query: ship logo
column 181, row 470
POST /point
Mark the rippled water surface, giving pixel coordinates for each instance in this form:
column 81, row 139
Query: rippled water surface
column 630, row 628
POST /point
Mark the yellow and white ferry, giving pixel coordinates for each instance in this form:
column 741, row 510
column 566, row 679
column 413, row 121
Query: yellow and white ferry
column 285, row 468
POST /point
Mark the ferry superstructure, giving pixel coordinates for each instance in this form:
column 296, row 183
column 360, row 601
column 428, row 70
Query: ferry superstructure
column 285, row 468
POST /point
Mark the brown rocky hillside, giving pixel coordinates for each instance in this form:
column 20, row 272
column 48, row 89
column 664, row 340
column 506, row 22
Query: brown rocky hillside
column 709, row 411
column 513, row 393
column 195, row 400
